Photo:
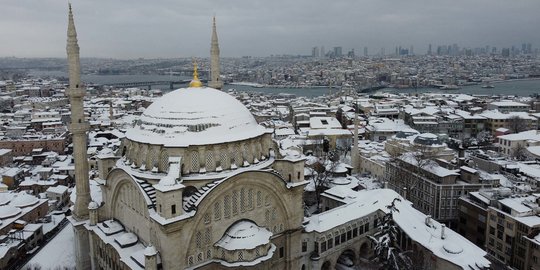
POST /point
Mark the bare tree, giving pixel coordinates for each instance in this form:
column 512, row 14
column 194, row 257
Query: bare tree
column 520, row 152
column 322, row 171
column 516, row 124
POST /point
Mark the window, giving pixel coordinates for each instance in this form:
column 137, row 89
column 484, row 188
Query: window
column 259, row 198
column 235, row 202
column 336, row 240
column 217, row 211
column 304, row 246
column 355, row 232
column 173, row 209
column 323, row 246
column 281, row 252
column 366, row 227
column 227, row 206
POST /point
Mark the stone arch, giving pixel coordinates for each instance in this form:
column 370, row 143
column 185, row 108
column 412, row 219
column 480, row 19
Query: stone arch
column 327, row 265
column 364, row 250
column 347, row 258
column 123, row 186
column 221, row 194
column 188, row 191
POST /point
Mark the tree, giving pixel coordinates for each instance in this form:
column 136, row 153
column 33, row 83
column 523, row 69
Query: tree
column 322, row 169
column 520, row 152
column 516, row 124
column 387, row 251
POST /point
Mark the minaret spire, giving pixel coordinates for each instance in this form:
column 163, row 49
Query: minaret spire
column 79, row 125
column 215, row 80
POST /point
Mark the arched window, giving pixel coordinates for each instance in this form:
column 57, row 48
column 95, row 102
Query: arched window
column 207, row 236
column 217, row 211
column 240, row 255
column 223, row 160
column 198, row 239
column 152, row 159
column 250, row 199
column 235, row 202
column 267, row 216
column 243, row 200
column 210, row 165
column 195, row 161
column 164, row 161
column 227, row 206
column 259, row 198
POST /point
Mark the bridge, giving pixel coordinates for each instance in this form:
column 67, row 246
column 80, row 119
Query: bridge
column 149, row 84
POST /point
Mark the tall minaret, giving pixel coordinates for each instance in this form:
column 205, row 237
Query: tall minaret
column 215, row 80
column 78, row 126
column 354, row 152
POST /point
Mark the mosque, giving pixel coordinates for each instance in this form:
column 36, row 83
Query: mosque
column 198, row 184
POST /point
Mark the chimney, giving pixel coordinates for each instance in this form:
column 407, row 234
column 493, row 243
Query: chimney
column 443, row 235
column 428, row 220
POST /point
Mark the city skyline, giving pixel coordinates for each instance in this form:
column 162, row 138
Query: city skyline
column 259, row 28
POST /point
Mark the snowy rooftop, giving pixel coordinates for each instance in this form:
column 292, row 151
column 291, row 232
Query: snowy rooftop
column 195, row 116
column 454, row 247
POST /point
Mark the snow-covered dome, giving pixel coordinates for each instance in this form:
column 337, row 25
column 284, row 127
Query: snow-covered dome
column 7, row 211
column 244, row 234
column 5, row 198
column 23, row 200
column 195, row 116
column 427, row 139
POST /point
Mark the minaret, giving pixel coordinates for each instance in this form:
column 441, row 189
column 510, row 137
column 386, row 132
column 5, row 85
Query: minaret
column 215, row 80
column 78, row 129
column 354, row 152
column 78, row 126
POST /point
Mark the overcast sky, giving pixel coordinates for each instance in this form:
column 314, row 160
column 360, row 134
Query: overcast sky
column 181, row 28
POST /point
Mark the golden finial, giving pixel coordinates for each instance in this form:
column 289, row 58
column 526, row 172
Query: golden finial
column 195, row 83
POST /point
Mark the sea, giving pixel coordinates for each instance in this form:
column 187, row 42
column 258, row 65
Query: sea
column 522, row 87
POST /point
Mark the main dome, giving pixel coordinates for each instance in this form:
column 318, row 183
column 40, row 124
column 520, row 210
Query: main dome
column 195, row 116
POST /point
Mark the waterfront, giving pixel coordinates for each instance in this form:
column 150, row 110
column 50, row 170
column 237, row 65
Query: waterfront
column 512, row 87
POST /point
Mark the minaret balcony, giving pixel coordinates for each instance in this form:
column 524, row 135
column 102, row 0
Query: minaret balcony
column 78, row 128
column 76, row 93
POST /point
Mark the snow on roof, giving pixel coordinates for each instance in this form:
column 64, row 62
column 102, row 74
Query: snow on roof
column 110, row 227
column 60, row 189
column 244, row 234
column 324, row 122
column 454, row 247
column 522, row 136
column 508, row 103
column 431, row 166
column 495, row 114
column 519, row 205
column 195, row 116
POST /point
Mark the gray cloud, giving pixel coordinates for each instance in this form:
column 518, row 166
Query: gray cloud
column 172, row 28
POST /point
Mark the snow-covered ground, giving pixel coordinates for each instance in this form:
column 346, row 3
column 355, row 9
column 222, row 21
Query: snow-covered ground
column 58, row 253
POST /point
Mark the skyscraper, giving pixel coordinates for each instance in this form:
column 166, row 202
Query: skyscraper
column 315, row 52
column 215, row 80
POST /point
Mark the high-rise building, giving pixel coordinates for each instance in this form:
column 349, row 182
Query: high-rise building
column 338, row 51
column 315, row 52
column 323, row 52
column 215, row 80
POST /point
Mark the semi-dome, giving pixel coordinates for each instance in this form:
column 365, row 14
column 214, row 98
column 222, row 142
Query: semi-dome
column 195, row 116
